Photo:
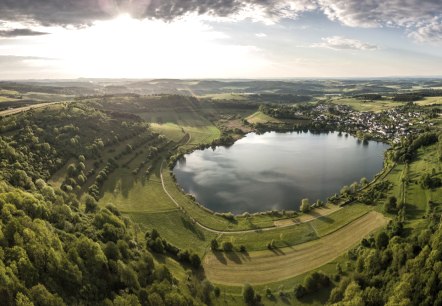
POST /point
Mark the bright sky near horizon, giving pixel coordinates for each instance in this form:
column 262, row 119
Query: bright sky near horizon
column 219, row 38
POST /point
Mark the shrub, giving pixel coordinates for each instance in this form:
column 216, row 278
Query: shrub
column 227, row 246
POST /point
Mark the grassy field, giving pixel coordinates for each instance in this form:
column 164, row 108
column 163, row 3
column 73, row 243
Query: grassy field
column 429, row 101
column 272, row 265
column 406, row 182
column 132, row 195
column 330, row 223
column 176, row 228
column 260, row 117
column 175, row 125
column 365, row 106
column 296, row 234
column 282, row 237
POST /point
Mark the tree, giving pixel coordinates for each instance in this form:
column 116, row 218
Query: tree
column 227, row 246
column 91, row 204
column 214, row 245
column 305, row 205
column 23, row 300
column 354, row 187
column 381, row 240
column 299, row 291
column 319, row 203
column 217, row 291
column 248, row 294
column 41, row 296
column 364, row 181
column 391, row 205
column 195, row 261
column 345, row 190
column 155, row 299
column 71, row 170
column 126, row 300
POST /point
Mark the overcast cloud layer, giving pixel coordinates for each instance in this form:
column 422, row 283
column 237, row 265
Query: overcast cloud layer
column 422, row 19
column 20, row 32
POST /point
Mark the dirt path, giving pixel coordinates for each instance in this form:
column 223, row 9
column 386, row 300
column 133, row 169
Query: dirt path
column 294, row 222
column 269, row 266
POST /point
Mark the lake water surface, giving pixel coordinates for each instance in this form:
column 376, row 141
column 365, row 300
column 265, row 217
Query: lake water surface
column 277, row 170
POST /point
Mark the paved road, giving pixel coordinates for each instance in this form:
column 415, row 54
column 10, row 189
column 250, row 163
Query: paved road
column 14, row 111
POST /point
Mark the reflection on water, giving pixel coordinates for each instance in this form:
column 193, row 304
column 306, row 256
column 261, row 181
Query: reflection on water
column 276, row 170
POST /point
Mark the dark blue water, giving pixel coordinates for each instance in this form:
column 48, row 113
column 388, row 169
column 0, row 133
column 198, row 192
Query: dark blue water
column 277, row 170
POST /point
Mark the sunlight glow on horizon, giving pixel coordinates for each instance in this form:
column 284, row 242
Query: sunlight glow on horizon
column 131, row 48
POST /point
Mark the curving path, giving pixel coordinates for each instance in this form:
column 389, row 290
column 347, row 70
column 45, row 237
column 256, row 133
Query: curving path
column 232, row 232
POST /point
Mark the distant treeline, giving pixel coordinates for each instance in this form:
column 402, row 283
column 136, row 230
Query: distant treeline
column 417, row 95
column 370, row 97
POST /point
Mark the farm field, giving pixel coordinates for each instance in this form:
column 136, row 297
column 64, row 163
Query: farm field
column 260, row 117
column 430, row 101
column 295, row 234
column 273, row 265
column 366, row 106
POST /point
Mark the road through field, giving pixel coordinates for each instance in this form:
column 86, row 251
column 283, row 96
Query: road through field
column 269, row 266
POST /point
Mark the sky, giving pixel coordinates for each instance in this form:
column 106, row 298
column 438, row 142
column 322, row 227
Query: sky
column 53, row 39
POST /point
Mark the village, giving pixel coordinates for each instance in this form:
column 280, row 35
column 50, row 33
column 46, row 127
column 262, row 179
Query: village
column 389, row 125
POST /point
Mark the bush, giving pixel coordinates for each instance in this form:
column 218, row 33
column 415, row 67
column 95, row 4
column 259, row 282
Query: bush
column 305, row 205
column 91, row 204
column 299, row 291
column 214, row 245
column 227, row 246
column 195, row 261
column 248, row 294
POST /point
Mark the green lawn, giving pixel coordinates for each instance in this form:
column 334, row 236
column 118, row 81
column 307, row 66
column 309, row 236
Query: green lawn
column 282, row 237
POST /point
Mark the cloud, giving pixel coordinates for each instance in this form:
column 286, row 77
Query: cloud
column 421, row 19
column 261, row 35
column 342, row 43
column 84, row 12
column 432, row 32
column 20, row 32
column 376, row 13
